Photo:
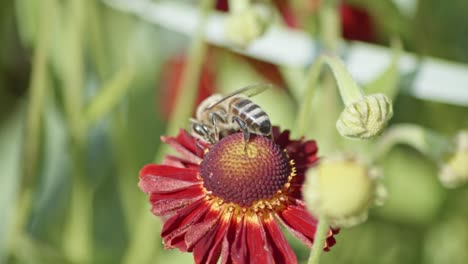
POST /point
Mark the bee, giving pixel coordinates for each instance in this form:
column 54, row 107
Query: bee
column 218, row 116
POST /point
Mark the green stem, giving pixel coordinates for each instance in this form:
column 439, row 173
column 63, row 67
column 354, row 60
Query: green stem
column 331, row 36
column 37, row 97
column 350, row 92
column 109, row 95
column 77, row 236
column 38, row 92
column 428, row 142
column 319, row 241
column 309, row 92
column 144, row 243
column 96, row 40
column 330, row 25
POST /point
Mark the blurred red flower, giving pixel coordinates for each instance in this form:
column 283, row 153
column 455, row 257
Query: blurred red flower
column 171, row 81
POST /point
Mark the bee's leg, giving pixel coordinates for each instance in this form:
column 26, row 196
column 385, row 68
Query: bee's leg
column 199, row 148
column 214, row 120
column 245, row 130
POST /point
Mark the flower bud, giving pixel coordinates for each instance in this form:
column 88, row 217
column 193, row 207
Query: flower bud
column 243, row 27
column 366, row 117
column 343, row 189
column 454, row 172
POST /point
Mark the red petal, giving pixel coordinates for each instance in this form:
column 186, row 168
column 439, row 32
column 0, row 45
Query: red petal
column 183, row 174
column 209, row 247
column 239, row 252
column 283, row 253
column 167, row 204
column 156, row 184
column 176, row 227
column 287, row 13
column 186, row 145
column 161, row 178
column 300, row 223
column 259, row 249
column 303, row 225
column 174, row 161
column 219, row 247
column 201, row 229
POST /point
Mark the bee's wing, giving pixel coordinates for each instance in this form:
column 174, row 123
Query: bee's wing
column 249, row 91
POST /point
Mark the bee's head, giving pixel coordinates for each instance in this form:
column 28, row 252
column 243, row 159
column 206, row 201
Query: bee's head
column 207, row 103
column 201, row 131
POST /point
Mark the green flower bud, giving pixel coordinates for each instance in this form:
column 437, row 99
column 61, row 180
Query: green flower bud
column 366, row 117
column 243, row 27
column 343, row 189
column 454, row 172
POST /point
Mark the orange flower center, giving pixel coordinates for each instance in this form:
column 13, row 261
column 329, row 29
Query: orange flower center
column 243, row 173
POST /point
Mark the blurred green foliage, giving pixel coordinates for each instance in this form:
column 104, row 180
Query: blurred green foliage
column 103, row 69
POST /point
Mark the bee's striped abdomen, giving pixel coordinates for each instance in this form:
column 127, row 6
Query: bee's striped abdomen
column 253, row 115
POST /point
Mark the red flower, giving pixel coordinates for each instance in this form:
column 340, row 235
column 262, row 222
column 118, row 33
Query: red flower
column 172, row 76
column 356, row 23
column 227, row 199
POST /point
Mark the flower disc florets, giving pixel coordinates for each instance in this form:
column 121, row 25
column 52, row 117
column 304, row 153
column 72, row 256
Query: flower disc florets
column 244, row 172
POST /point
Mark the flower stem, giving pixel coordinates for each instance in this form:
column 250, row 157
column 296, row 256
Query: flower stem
column 330, row 29
column 309, row 91
column 350, row 92
column 37, row 97
column 144, row 243
column 77, row 235
column 319, row 241
column 38, row 92
column 331, row 32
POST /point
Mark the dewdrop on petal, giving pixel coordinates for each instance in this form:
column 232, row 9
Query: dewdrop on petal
column 454, row 172
column 366, row 117
column 343, row 189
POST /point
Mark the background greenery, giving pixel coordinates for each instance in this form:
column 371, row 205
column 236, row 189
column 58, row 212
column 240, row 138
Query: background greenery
column 80, row 88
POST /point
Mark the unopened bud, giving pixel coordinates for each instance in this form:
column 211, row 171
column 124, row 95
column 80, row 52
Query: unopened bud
column 454, row 172
column 243, row 27
column 366, row 117
column 343, row 189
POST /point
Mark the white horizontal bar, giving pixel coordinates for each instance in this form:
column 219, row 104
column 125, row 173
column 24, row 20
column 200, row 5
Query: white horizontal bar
column 434, row 79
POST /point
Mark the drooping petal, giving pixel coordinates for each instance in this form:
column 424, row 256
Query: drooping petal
column 174, row 161
column 190, row 149
column 209, row 248
column 300, row 223
column 183, row 174
column 239, row 252
column 169, row 203
column 303, row 225
column 281, row 138
column 202, row 229
column 259, row 249
column 161, row 178
column 282, row 252
column 176, row 227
